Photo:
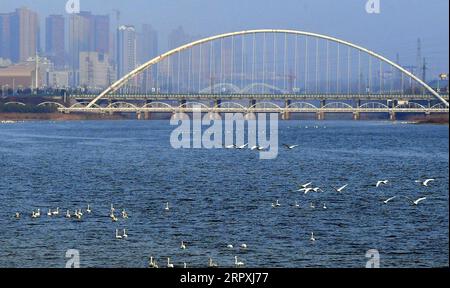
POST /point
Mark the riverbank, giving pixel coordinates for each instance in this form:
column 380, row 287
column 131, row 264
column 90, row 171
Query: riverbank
column 57, row 117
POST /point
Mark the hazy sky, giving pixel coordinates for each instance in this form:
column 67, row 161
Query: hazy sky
column 396, row 29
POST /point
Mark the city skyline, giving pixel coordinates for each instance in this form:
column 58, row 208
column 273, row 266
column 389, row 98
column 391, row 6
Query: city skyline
column 423, row 20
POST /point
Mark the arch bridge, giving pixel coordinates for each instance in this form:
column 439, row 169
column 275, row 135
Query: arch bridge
column 268, row 66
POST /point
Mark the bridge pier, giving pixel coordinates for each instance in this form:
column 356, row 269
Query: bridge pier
column 392, row 116
column 139, row 115
column 147, row 115
column 321, row 114
column 216, row 116
column 356, row 116
column 286, row 114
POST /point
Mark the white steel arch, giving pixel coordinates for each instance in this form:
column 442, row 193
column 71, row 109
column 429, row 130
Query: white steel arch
column 121, row 105
column 439, row 106
column 229, row 105
column 15, row 103
column 410, row 105
column 374, row 105
column 52, row 103
column 119, row 83
column 194, row 105
column 233, row 88
column 251, row 87
column 83, row 105
column 337, row 105
column 157, row 105
column 302, row 105
column 265, row 105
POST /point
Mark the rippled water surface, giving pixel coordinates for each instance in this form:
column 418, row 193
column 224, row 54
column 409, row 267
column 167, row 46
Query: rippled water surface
column 220, row 197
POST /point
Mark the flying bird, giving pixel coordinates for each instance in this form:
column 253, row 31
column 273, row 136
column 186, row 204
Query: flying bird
column 382, row 182
column 306, row 190
column 339, row 190
column 426, row 182
column 416, row 202
column 290, row 147
column 306, row 185
column 389, row 200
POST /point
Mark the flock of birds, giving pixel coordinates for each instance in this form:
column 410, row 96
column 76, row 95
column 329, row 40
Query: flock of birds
column 256, row 147
column 121, row 234
column 308, row 188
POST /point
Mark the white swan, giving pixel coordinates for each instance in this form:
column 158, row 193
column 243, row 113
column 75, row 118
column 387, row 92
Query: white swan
column 68, row 214
column 276, row 204
column 169, row 265
column 230, row 246
column 117, row 234
column 17, row 215
column 124, row 214
column 238, row 263
column 426, row 182
column 124, row 235
column 183, row 246
column 339, row 190
column 389, row 200
column 49, row 213
column 416, row 202
column 56, row 213
column 306, row 185
column 88, row 210
column 290, row 147
column 296, row 205
column 381, row 182
column 312, row 237
column 211, row 263
column 244, row 246
column 152, row 263
column 167, row 207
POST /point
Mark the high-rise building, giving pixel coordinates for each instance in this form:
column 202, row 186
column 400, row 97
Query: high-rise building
column 24, row 34
column 55, row 39
column 95, row 70
column 5, row 35
column 126, row 50
column 87, row 33
column 147, row 44
column 178, row 37
column 101, row 33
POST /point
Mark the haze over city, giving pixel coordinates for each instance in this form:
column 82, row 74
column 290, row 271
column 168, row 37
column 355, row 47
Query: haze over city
column 395, row 30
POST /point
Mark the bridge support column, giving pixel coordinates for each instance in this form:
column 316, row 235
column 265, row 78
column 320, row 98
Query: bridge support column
column 321, row 114
column 147, row 115
column 139, row 115
column 356, row 116
column 251, row 115
column 392, row 116
column 217, row 104
column 286, row 114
